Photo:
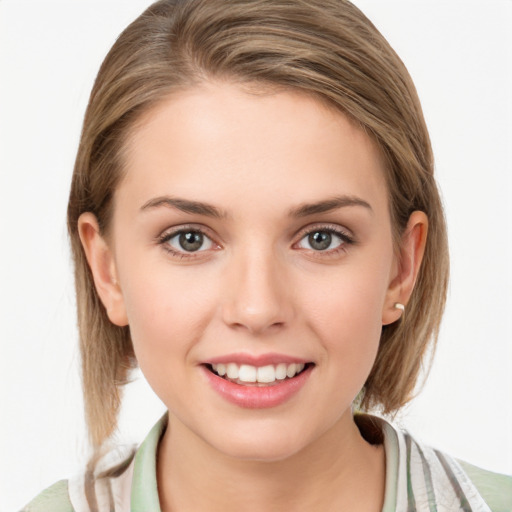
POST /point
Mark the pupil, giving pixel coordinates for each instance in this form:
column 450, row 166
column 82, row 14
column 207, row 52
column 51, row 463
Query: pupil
column 320, row 240
column 191, row 241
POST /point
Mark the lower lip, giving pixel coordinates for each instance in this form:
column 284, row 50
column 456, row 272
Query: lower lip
column 258, row 397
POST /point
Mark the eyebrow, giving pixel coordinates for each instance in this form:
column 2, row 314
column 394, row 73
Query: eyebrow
column 184, row 205
column 303, row 210
column 306, row 209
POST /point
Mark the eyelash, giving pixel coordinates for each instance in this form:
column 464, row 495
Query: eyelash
column 346, row 239
column 165, row 237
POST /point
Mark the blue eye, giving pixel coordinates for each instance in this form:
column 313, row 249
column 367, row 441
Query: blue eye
column 322, row 240
column 189, row 241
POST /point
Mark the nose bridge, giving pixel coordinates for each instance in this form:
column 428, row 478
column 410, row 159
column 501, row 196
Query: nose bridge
column 258, row 297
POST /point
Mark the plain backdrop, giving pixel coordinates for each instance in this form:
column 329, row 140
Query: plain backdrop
column 459, row 54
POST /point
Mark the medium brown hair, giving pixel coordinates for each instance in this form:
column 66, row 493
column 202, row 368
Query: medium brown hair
column 327, row 49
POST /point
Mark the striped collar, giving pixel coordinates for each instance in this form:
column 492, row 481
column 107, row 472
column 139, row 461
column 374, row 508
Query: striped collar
column 418, row 478
column 421, row 479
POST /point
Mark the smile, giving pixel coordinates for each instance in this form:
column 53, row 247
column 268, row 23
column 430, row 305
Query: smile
column 257, row 375
column 268, row 382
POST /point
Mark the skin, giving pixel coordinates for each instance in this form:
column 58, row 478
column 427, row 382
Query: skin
column 256, row 286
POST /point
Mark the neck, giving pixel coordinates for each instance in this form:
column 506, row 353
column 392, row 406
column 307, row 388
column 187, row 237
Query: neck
column 339, row 471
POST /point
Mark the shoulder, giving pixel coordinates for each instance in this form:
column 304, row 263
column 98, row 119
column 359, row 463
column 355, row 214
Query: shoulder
column 54, row 498
column 103, row 489
column 122, row 474
column 495, row 488
column 420, row 477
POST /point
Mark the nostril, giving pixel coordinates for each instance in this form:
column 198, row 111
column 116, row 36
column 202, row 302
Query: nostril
column 257, row 303
column 256, row 327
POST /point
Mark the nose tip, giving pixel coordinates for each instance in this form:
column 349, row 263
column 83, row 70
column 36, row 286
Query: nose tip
column 257, row 300
column 256, row 320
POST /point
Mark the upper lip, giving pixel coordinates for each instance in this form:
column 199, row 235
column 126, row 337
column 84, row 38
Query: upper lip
column 255, row 360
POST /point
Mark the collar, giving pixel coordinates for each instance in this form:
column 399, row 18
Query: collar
column 144, row 493
column 418, row 478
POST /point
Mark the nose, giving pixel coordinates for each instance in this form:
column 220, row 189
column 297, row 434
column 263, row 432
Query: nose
column 258, row 297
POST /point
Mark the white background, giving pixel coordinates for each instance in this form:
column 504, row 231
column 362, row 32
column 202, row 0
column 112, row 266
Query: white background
column 459, row 54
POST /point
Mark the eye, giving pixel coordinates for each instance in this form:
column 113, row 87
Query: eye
column 188, row 241
column 323, row 240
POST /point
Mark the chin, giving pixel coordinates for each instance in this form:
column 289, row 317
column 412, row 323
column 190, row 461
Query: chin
column 262, row 443
column 262, row 450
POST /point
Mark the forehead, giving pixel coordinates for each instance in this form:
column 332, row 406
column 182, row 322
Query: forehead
column 281, row 146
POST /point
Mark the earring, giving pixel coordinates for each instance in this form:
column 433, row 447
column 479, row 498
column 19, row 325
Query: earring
column 399, row 306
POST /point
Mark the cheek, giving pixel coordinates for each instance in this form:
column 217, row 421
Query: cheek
column 346, row 313
column 167, row 311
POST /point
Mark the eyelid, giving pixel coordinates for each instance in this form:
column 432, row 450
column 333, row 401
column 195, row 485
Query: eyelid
column 169, row 233
column 341, row 231
column 345, row 235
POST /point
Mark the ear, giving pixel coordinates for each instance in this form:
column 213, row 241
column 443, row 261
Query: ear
column 102, row 264
column 406, row 267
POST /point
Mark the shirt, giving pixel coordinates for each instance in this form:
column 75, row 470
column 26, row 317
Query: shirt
column 418, row 479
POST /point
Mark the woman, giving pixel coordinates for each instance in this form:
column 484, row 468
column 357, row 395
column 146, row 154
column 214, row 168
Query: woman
column 255, row 223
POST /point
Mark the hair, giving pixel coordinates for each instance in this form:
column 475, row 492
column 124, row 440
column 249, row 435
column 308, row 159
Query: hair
column 326, row 49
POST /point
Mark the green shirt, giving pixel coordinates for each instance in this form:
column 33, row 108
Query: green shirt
column 417, row 479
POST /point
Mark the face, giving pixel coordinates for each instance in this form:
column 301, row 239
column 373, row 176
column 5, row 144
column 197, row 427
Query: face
column 251, row 243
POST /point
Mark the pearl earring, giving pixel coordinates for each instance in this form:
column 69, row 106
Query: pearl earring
column 400, row 306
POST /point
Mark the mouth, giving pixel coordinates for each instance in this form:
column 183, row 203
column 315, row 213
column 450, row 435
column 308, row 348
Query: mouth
column 257, row 382
column 258, row 376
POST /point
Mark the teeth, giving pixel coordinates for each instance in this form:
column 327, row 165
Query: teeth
column 291, row 370
column 281, row 371
column 247, row 373
column 262, row 374
column 266, row 374
column 232, row 371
